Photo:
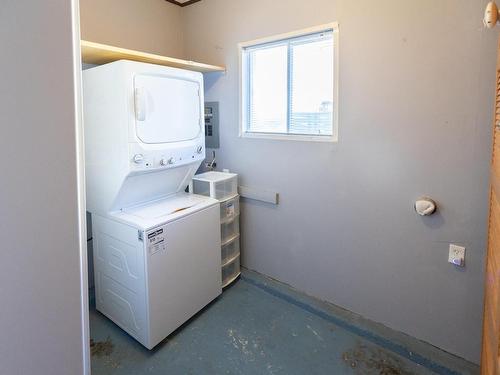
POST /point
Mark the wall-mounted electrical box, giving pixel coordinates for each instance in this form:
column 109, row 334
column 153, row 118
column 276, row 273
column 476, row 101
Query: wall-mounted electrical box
column 212, row 124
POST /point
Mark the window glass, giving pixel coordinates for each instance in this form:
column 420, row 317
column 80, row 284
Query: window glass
column 289, row 86
column 311, row 94
column 268, row 90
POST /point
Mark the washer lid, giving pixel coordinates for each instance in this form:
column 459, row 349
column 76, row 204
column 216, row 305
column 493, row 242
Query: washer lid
column 163, row 211
column 167, row 108
column 166, row 207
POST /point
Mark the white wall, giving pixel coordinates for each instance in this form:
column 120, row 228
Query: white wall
column 416, row 93
column 146, row 25
column 40, row 304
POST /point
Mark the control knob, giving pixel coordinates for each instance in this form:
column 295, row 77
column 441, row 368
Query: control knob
column 164, row 162
column 138, row 158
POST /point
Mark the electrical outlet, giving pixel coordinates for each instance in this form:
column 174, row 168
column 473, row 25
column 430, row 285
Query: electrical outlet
column 457, row 255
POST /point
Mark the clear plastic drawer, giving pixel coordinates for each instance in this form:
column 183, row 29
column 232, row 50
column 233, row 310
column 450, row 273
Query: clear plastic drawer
column 230, row 272
column 230, row 250
column 230, row 229
column 229, row 209
column 218, row 185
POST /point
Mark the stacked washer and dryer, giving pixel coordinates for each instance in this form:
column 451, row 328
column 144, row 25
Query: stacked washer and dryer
column 156, row 248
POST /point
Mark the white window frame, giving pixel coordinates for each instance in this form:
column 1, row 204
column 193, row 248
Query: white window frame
column 243, row 97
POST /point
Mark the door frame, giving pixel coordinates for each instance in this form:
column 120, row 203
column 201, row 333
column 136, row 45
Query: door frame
column 80, row 174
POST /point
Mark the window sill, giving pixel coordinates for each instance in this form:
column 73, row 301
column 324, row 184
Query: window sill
column 290, row 137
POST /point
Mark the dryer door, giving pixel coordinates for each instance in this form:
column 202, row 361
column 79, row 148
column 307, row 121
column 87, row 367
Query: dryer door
column 167, row 109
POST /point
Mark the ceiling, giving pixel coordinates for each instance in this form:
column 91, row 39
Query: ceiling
column 183, row 3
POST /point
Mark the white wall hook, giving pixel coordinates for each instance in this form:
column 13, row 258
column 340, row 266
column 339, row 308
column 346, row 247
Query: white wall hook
column 425, row 206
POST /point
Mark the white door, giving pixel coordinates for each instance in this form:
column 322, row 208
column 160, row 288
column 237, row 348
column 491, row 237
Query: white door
column 167, row 109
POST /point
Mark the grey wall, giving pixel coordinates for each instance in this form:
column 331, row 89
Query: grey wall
column 416, row 93
column 40, row 308
column 146, row 25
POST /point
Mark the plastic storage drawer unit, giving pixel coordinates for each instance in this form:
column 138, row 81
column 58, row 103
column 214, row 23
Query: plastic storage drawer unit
column 218, row 185
column 230, row 250
column 230, row 272
column 224, row 187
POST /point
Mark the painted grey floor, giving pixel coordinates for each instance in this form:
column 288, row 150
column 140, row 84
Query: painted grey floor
column 259, row 326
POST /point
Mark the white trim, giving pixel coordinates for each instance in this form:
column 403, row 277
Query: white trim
column 242, row 133
column 336, row 83
column 242, row 97
column 259, row 194
column 80, row 174
column 287, row 136
column 310, row 30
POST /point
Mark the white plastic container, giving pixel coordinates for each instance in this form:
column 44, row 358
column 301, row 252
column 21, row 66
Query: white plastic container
column 229, row 209
column 230, row 250
column 218, row 185
column 230, row 272
column 230, row 229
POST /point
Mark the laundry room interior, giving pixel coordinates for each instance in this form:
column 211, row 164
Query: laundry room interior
column 251, row 187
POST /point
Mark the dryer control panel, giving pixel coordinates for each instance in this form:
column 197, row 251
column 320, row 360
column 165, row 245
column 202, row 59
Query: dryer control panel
column 141, row 159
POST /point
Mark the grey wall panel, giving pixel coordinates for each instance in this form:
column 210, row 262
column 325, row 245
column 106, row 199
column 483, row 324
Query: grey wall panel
column 40, row 289
column 416, row 99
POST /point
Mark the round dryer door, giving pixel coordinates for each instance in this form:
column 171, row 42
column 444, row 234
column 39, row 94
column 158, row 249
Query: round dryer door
column 167, row 109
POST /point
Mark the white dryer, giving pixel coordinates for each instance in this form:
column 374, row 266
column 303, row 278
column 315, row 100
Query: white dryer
column 156, row 248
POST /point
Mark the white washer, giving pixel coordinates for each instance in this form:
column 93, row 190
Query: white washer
column 152, row 274
column 156, row 248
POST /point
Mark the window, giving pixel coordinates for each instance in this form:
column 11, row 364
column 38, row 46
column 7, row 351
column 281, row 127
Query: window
column 289, row 86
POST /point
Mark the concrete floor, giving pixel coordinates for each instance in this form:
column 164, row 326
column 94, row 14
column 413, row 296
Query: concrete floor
column 260, row 326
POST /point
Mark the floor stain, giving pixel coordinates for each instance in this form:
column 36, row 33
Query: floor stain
column 101, row 348
column 363, row 360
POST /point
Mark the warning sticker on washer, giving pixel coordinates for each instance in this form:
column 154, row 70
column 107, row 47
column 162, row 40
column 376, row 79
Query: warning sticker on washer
column 157, row 241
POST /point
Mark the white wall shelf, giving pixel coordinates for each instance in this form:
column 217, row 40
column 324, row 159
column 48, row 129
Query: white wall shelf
column 98, row 54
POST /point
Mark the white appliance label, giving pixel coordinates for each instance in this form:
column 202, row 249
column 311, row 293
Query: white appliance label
column 157, row 241
column 230, row 210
